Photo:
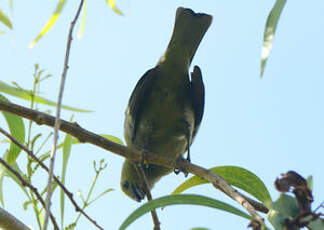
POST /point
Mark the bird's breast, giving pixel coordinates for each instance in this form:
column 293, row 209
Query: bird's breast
column 163, row 127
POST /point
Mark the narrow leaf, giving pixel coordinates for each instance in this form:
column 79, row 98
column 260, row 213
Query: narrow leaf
column 5, row 172
column 181, row 199
column 84, row 15
column 5, row 19
column 76, row 141
column 26, row 95
column 113, row 138
column 59, row 7
column 15, row 179
column 269, row 31
column 17, row 130
column 113, row 6
column 236, row 176
column 101, row 194
column 66, row 155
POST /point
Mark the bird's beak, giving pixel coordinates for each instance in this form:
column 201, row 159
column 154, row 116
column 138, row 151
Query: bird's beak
column 138, row 193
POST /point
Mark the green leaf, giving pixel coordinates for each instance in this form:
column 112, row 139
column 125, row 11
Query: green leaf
column 71, row 226
column 33, row 141
column 113, row 138
column 11, row 4
column 17, row 130
column 84, row 15
column 66, row 155
column 26, row 95
column 236, row 176
column 101, row 194
column 269, row 31
column 2, row 172
column 59, row 7
column 5, row 19
column 5, row 172
column 181, row 199
column 285, row 207
column 76, row 141
column 113, row 6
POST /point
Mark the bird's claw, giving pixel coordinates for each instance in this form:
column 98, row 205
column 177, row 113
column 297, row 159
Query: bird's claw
column 181, row 169
column 143, row 161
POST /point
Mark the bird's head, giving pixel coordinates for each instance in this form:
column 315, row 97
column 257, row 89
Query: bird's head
column 130, row 182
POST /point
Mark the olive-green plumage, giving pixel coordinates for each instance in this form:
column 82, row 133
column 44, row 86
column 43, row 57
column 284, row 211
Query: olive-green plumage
column 166, row 107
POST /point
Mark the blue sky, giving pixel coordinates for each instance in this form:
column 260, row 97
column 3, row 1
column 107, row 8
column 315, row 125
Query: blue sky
column 268, row 126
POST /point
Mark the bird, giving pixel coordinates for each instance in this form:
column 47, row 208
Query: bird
column 166, row 107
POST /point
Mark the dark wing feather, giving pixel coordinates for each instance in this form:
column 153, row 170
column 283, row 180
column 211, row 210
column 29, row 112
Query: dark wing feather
column 140, row 96
column 198, row 97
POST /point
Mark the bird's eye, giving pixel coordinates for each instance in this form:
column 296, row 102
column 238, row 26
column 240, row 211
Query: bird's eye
column 125, row 185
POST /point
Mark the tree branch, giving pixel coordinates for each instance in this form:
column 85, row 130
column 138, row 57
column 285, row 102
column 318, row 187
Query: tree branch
column 9, row 222
column 65, row 190
column 86, row 136
column 35, row 191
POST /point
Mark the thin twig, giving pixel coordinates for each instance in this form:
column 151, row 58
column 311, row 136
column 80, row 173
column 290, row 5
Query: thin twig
column 10, row 222
column 84, row 135
column 140, row 171
column 65, row 190
column 35, row 191
column 58, row 111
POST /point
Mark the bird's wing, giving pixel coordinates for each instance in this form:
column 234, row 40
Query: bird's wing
column 140, row 97
column 198, row 97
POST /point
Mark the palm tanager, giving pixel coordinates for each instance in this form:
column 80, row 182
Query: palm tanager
column 165, row 109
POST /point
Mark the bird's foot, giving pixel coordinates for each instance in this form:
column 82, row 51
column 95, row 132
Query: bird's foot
column 180, row 168
column 143, row 161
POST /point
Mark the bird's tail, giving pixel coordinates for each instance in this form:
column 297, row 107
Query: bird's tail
column 189, row 29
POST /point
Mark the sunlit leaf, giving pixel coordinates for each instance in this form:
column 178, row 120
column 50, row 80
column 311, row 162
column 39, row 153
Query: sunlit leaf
column 84, row 15
column 17, row 130
column 236, row 176
column 26, row 95
column 2, row 172
column 113, row 138
column 11, row 4
column 181, row 199
column 113, row 6
column 100, row 195
column 5, row 19
column 76, row 141
column 67, row 144
column 5, row 172
column 14, row 178
column 71, row 226
column 269, row 31
column 33, row 141
column 59, row 7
